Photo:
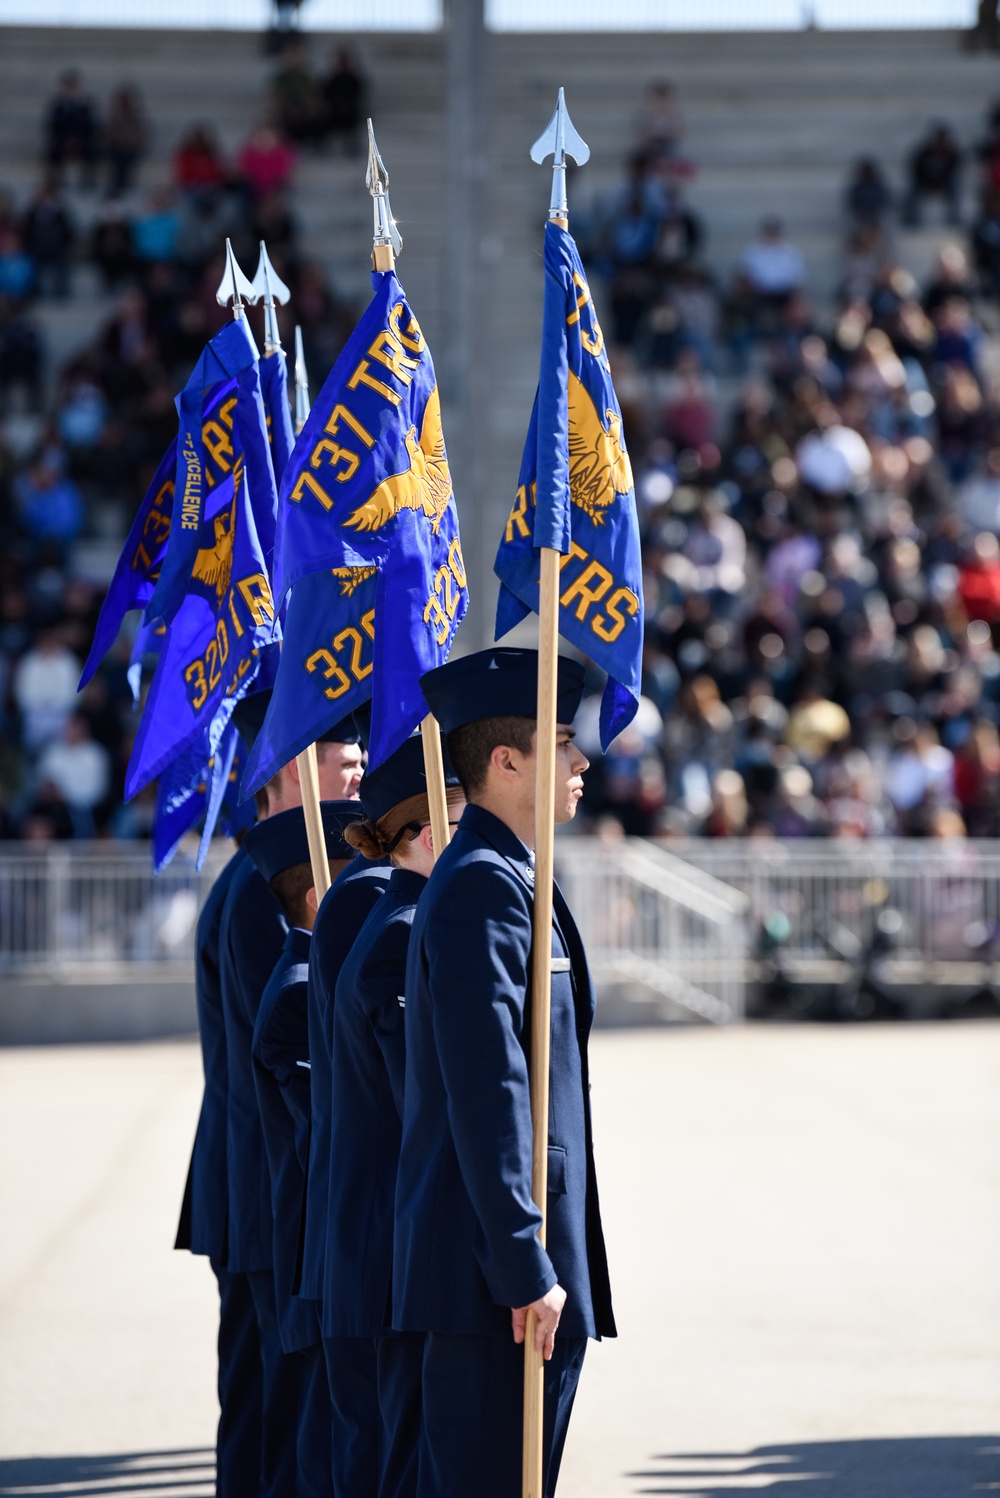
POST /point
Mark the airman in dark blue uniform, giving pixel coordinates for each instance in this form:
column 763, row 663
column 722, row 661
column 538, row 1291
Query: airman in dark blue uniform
column 467, row 1261
column 203, row 1228
column 280, row 851
column 367, row 1106
column 252, row 935
column 350, row 1365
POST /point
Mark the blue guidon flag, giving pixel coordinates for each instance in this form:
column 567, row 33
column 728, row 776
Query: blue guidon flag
column 211, row 653
column 274, row 390
column 208, row 451
column 139, row 565
column 367, row 545
column 191, row 789
column 576, row 495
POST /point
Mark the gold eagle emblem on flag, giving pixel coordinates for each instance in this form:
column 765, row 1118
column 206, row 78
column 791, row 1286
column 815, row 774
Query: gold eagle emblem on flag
column 425, row 485
column 351, row 578
column 213, row 565
column 599, row 467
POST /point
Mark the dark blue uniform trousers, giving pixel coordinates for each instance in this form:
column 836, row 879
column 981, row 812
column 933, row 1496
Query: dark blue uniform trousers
column 399, row 1358
column 354, row 1430
column 237, row 1448
column 473, row 1414
column 314, row 1449
column 294, row 1417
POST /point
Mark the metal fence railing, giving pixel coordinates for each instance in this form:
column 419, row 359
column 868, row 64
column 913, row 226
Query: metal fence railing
column 697, row 923
column 76, row 906
column 649, row 920
column 913, row 922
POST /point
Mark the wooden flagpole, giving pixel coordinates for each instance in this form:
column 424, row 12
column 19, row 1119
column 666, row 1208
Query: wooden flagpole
column 561, row 141
column 532, row 1475
column 386, row 246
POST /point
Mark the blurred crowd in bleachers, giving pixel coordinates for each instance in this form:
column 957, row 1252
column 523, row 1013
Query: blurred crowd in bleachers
column 79, row 443
column 819, row 496
column 818, row 480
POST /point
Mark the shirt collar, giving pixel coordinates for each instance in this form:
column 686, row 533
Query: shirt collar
column 406, row 882
column 297, row 942
column 491, row 829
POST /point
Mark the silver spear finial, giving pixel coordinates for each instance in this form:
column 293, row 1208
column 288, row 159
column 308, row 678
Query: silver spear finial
column 301, row 383
column 560, row 141
column 234, row 285
column 270, row 288
column 377, row 180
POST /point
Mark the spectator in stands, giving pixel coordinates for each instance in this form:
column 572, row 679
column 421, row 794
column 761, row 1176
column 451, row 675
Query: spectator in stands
column 952, row 278
column 935, row 172
column 155, row 229
column 816, row 723
column 986, row 244
column 199, row 170
column 271, row 219
column 977, row 779
column 343, row 102
column 48, row 239
column 44, row 689
column 81, row 771
column 72, row 132
column 21, row 352
column 632, row 219
column 17, row 269
column 986, row 32
column 48, row 819
column 49, row 503
column 267, row 162
column 773, row 267
column 868, row 198
column 920, row 774
column 295, row 94
column 690, row 414
column 126, row 136
column 659, row 128
column 979, row 580
column 111, row 244
column 205, row 220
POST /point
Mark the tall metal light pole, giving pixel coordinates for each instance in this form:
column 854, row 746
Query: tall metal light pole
column 466, row 300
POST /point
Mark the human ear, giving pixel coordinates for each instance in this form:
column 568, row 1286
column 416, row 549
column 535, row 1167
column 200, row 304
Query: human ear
column 502, row 760
column 312, row 901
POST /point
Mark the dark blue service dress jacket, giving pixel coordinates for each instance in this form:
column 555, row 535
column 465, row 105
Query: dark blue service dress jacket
column 343, row 912
column 252, row 935
column 280, row 1047
column 465, row 1247
column 203, row 1227
column 369, row 1062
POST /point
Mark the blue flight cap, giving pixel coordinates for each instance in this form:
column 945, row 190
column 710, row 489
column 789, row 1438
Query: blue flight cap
column 249, row 714
column 280, row 842
column 397, row 779
column 498, row 683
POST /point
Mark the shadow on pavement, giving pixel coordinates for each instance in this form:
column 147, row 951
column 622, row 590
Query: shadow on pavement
column 188, row 1473
column 906, row 1467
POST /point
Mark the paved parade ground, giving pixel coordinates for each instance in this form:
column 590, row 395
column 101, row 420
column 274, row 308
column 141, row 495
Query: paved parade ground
column 804, row 1229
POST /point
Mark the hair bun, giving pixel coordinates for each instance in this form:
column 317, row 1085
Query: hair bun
column 366, row 837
